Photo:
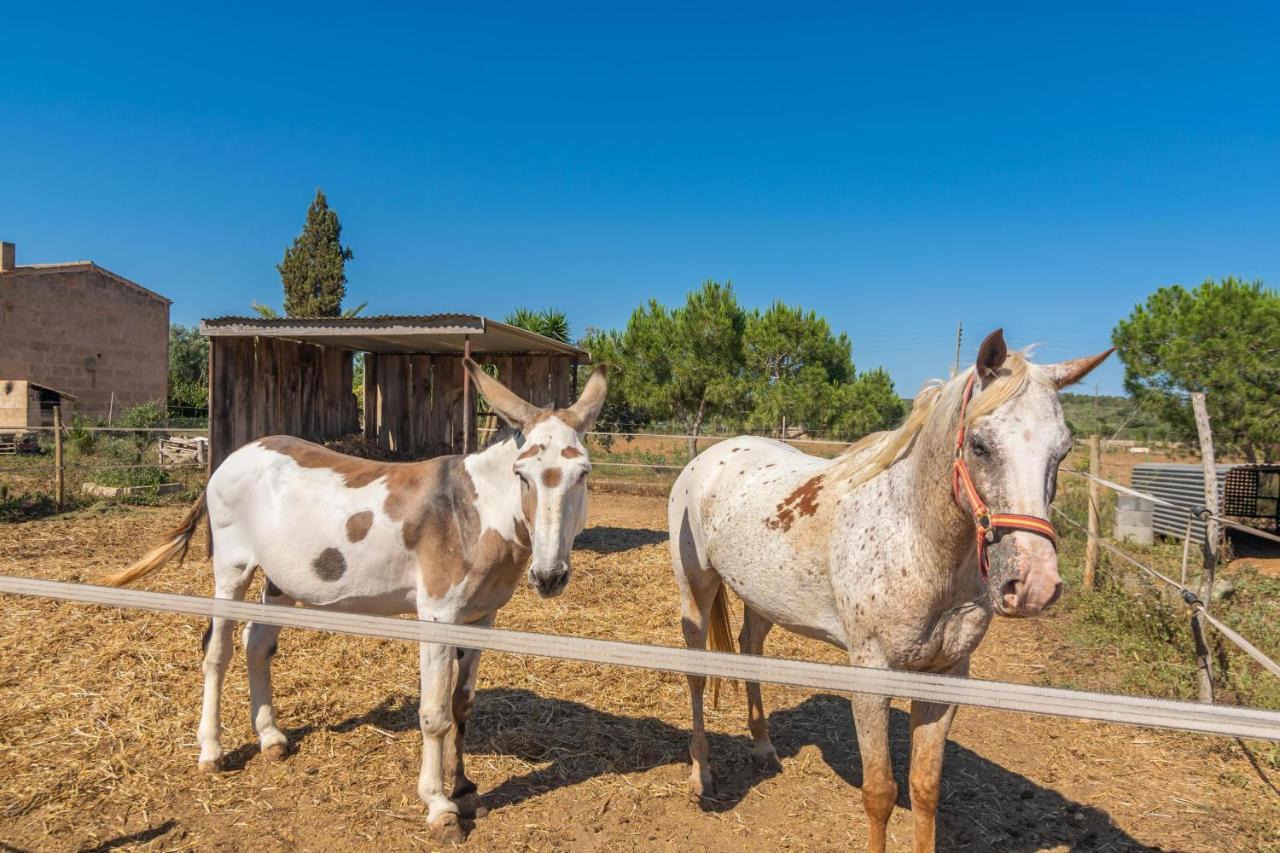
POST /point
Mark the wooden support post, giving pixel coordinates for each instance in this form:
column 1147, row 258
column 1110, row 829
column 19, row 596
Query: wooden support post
column 1211, row 536
column 1091, row 548
column 468, row 404
column 58, row 493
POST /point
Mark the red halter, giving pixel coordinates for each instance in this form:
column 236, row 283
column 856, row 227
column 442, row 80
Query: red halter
column 985, row 522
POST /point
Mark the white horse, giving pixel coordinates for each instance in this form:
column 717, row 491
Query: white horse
column 874, row 552
column 446, row 538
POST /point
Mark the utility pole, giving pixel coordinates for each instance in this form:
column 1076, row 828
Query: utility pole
column 955, row 368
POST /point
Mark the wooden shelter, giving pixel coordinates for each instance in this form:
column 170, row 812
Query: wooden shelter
column 294, row 376
column 28, row 405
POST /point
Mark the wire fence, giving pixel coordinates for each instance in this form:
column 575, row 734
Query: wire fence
column 929, row 687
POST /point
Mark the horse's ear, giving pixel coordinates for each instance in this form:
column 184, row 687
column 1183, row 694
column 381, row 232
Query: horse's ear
column 991, row 356
column 515, row 412
column 1070, row 372
column 582, row 414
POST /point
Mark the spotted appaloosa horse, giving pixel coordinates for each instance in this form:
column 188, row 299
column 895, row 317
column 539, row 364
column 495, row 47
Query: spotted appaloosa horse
column 874, row 552
column 446, row 538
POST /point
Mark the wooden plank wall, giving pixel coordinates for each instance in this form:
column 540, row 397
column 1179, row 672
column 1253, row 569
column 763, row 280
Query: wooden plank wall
column 413, row 402
column 269, row 386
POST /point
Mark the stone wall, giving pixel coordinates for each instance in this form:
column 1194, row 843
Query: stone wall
column 83, row 330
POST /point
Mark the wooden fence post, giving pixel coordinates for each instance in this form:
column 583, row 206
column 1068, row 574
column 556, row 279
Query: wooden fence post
column 1211, row 536
column 1091, row 549
column 58, row 493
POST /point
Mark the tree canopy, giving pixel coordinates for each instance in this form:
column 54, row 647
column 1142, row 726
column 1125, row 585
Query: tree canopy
column 1222, row 338
column 711, row 361
column 313, row 271
column 188, row 370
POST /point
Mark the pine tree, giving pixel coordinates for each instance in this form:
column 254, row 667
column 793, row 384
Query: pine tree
column 314, row 267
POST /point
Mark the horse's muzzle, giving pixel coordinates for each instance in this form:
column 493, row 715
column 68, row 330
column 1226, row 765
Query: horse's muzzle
column 1029, row 582
column 549, row 581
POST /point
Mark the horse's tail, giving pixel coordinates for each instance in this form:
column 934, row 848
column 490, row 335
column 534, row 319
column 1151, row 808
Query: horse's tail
column 720, row 634
column 175, row 544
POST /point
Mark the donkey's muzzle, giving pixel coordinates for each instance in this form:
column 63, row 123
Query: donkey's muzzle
column 549, row 581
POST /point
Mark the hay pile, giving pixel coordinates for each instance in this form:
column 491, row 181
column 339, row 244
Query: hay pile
column 98, row 710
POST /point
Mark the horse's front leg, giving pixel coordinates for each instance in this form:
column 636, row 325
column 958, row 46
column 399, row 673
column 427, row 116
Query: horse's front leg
column 930, row 723
column 879, row 791
column 871, row 718
column 435, row 716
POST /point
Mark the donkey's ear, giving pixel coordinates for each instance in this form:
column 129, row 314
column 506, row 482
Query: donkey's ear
column 1070, row 372
column 515, row 412
column 991, row 355
column 582, row 414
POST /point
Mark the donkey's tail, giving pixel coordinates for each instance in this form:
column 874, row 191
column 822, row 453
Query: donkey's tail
column 175, row 544
column 720, row 635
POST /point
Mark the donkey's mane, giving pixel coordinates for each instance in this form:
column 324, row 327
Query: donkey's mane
column 935, row 408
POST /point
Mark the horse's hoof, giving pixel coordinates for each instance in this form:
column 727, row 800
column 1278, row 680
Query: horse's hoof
column 212, row 765
column 700, row 789
column 276, row 752
column 767, row 762
column 446, row 829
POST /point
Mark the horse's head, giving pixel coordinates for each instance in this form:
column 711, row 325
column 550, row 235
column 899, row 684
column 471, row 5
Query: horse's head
column 552, row 466
column 1013, row 445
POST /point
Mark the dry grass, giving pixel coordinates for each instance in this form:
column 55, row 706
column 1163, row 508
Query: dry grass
column 98, row 710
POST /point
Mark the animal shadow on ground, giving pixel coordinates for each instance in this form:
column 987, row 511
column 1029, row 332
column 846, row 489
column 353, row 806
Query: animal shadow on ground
column 612, row 540
column 133, row 838
column 984, row 806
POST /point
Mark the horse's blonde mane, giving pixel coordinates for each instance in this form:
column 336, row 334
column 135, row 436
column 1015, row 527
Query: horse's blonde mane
column 935, row 408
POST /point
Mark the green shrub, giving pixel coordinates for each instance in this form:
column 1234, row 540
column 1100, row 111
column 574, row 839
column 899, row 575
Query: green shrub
column 120, row 462
column 81, row 440
column 23, row 506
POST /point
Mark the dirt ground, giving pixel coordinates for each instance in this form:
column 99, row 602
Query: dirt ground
column 98, row 710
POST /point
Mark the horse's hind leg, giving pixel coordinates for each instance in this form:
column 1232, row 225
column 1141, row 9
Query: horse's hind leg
column 260, row 648
column 751, row 642
column 698, row 584
column 230, row 581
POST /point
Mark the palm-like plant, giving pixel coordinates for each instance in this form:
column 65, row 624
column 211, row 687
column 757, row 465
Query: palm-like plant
column 551, row 323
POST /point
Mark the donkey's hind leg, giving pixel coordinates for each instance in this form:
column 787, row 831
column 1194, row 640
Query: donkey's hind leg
column 260, row 648
column 751, row 642
column 230, row 581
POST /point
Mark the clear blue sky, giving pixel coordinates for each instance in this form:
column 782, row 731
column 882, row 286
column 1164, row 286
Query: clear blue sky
column 895, row 169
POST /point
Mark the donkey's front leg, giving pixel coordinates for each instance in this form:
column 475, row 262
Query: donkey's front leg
column 435, row 716
column 464, row 794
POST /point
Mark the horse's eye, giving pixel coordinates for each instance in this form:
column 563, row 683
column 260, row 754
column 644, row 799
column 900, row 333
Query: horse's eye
column 978, row 448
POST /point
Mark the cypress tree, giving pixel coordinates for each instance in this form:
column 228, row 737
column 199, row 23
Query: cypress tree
column 314, row 267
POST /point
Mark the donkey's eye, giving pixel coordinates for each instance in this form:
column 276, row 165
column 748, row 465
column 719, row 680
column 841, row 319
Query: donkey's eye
column 978, row 447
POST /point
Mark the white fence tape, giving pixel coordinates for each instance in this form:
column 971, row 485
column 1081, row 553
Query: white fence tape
column 1131, row 710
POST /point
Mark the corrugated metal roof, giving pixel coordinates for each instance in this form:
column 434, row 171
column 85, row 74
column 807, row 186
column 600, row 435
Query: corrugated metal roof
column 438, row 334
column 1180, row 484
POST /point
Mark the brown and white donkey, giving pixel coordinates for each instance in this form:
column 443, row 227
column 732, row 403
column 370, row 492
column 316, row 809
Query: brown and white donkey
column 446, row 538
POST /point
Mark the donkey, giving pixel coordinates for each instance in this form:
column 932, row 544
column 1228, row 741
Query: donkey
column 875, row 552
column 446, row 539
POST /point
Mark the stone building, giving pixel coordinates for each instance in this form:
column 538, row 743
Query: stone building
column 83, row 330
